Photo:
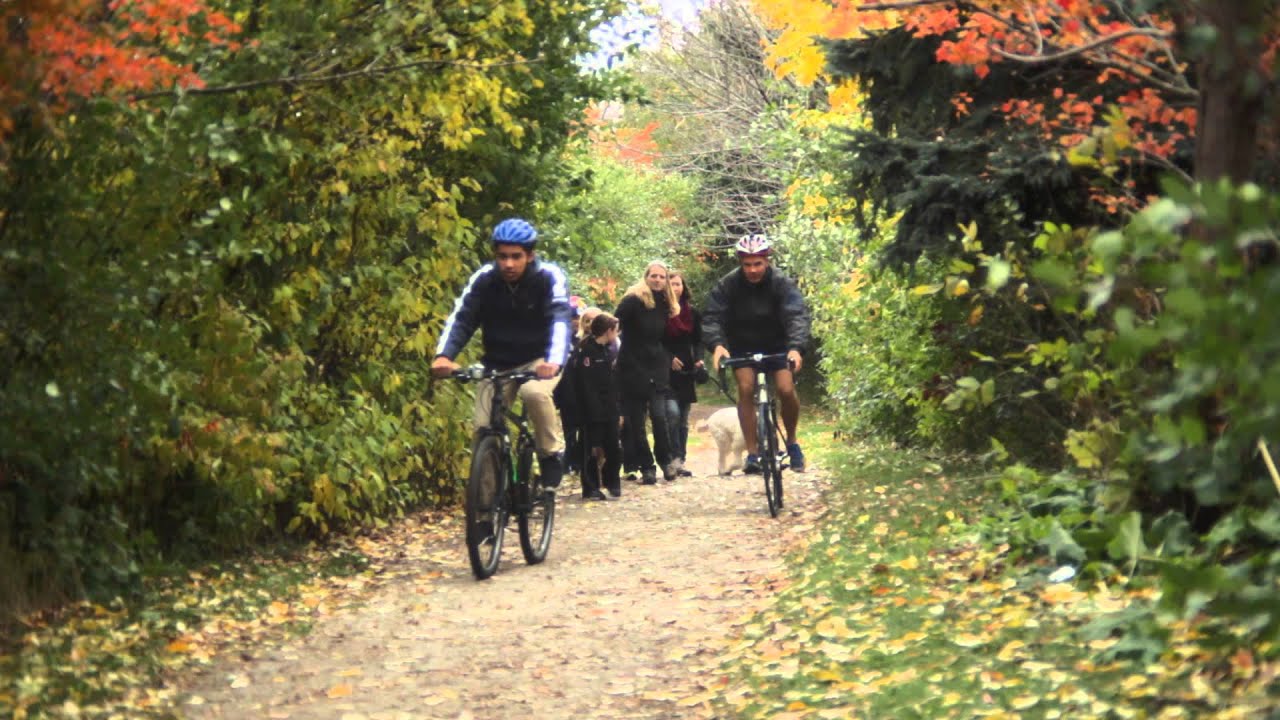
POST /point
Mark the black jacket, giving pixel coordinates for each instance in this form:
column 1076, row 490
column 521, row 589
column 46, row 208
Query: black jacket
column 643, row 360
column 565, row 395
column 595, row 384
column 689, row 349
column 769, row 316
column 527, row 321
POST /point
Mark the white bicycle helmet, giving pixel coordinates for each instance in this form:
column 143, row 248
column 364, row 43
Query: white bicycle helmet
column 753, row 244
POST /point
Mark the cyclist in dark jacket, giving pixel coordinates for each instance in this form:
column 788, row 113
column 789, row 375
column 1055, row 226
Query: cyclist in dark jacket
column 644, row 368
column 757, row 309
column 521, row 305
column 597, row 393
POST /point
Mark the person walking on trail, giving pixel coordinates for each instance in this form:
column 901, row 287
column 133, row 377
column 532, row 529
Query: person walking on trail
column 565, row 400
column 757, row 309
column 644, row 369
column 596, row 389
column 683, row 340
column 521, row 305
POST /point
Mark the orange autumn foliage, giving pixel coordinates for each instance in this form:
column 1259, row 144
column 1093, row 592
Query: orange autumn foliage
column 56, row 51
column 611, row 139
column 1138, row 61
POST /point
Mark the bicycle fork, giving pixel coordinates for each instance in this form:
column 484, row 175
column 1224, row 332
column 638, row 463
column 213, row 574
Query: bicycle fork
column 766, row 405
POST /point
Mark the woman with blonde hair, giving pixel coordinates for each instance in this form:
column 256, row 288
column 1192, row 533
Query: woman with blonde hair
column 644, row 370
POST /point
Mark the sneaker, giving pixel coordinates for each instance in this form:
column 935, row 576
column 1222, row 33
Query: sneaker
column 797, row 457
column 684, row 472
column 552, row 470
column 671, row 471
column 615, row 491
column 597, row 495
column 649, row 477
column 752, row 466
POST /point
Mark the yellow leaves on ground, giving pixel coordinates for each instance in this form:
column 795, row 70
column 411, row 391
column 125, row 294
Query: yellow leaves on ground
column 833, row 627
column 181, row 645
column 1061, row 594
column 906, row 614
column 340, row 690
column 970, row 640
column 192, row 620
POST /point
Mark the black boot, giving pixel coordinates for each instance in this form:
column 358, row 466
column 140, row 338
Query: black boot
column 552, row 469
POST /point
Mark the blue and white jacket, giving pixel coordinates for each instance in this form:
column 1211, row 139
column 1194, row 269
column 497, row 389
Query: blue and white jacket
column 521, row 323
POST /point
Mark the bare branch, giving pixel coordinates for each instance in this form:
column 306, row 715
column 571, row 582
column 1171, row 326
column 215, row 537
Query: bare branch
column 1082, row 49
column 320, row 78
column 901, row 5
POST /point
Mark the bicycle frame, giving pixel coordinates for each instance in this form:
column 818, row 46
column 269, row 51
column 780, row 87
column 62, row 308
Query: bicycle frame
column 768, row 432
column 500, row 414
column 492, row 500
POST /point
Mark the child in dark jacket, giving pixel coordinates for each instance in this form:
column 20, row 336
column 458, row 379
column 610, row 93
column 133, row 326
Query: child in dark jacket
column 597, row 395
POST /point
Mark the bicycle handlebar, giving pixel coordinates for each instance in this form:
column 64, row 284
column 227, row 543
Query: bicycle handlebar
column 476, row 373
column 750, row 360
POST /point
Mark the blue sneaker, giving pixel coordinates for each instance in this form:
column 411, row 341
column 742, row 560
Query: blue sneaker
column 797, row 457
column 752, row 466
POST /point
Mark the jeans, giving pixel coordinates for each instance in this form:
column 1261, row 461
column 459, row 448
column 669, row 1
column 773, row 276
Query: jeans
column 678, row 426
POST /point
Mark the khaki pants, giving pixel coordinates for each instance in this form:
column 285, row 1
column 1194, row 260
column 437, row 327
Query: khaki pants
column 536, row 396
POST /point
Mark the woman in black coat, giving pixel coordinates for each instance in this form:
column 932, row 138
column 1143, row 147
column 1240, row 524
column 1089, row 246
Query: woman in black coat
column 683, row 340
column 644, row 369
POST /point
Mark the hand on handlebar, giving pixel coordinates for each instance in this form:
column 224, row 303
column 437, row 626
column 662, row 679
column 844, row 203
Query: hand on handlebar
column 794, row 358
column 717, row 355
column 444, row 367
column 545, row 370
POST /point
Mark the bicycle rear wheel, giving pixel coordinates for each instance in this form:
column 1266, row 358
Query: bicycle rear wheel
column 486, row 508
column 769, row 459
column 538, row 517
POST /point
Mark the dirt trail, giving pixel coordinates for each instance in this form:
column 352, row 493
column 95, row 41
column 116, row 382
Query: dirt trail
column 625, row 619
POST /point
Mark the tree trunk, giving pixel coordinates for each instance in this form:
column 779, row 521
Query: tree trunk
column 1231, row 87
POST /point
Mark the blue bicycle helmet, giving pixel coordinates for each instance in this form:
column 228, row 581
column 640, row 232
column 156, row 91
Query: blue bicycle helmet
column 514, row 231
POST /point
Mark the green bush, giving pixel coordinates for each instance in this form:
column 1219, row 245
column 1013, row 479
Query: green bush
column 220, row 308
column 1174, row 387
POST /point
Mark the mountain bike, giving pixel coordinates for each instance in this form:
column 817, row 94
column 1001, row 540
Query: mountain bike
column 768, row 431
column 501, row 483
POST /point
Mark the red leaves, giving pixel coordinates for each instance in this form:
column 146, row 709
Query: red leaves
column 74, row 49
column 637, row 145
column 936, row 21
column 1134, row 50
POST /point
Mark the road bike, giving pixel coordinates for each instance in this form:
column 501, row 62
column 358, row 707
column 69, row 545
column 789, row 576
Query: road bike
column 501, row 483
column 773, row 460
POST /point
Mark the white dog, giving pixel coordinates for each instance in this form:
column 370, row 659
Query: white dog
column 723, row 425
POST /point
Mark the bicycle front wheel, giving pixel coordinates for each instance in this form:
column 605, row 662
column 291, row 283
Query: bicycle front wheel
column 769, row 460
column 486, row 508
column 778, row 455
column 538, row 516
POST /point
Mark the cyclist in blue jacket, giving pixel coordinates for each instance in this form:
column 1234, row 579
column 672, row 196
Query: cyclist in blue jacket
column 521, row 305
column 757, row 309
